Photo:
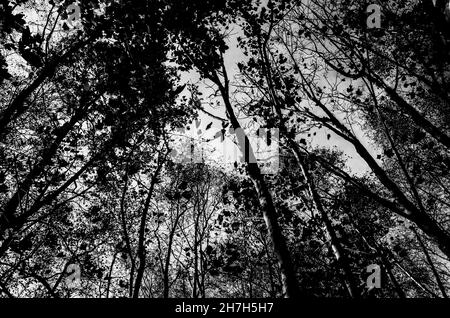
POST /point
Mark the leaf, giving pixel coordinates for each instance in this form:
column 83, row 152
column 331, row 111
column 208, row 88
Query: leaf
column 183, row 185
column 389, row 153
column 209, row 249
column 187, row 195
column 220, row 134
column 179, row 89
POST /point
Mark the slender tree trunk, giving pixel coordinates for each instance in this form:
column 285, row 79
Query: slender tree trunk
column 168, row 256
column 384, row 258
column 411, row 276
column 338, row 251
column 167, row 265
column 411, row 212
column 17, row 106
column 203, row 274
column 413, row 113
column 434, row 231
column 387, row 266
column 141, row 247
column 336, row 246
column 108, row 287
column 9, row 214
column 273, row 291
column 289, row 280
column 430, row 261
column 195, row 278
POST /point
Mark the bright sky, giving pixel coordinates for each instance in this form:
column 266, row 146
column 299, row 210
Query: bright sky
column 227, row 152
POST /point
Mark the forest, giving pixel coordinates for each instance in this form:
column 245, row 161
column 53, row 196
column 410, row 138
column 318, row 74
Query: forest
column 224, row 149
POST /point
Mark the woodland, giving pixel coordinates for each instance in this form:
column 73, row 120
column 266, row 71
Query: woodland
column 94, row 96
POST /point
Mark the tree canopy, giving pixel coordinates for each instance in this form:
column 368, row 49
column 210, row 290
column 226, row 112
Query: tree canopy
column 116, row 118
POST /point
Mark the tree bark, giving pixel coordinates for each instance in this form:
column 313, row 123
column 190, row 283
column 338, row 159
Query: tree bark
column 338, row 251
column 289, row 280
column 430, row 262
column 141, row 247
column 17, row 106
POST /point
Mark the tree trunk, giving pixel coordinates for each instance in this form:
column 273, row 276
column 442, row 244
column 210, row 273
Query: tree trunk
column 430, row 261
column 387, row 266
column 167, row 262
column 434, row 231
column 141, row 246
column 338, row 251
column 17, row 106
column 289, row 280
column 9, row 214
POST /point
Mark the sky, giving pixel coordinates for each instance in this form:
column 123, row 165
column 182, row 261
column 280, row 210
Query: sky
column 227, row 151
